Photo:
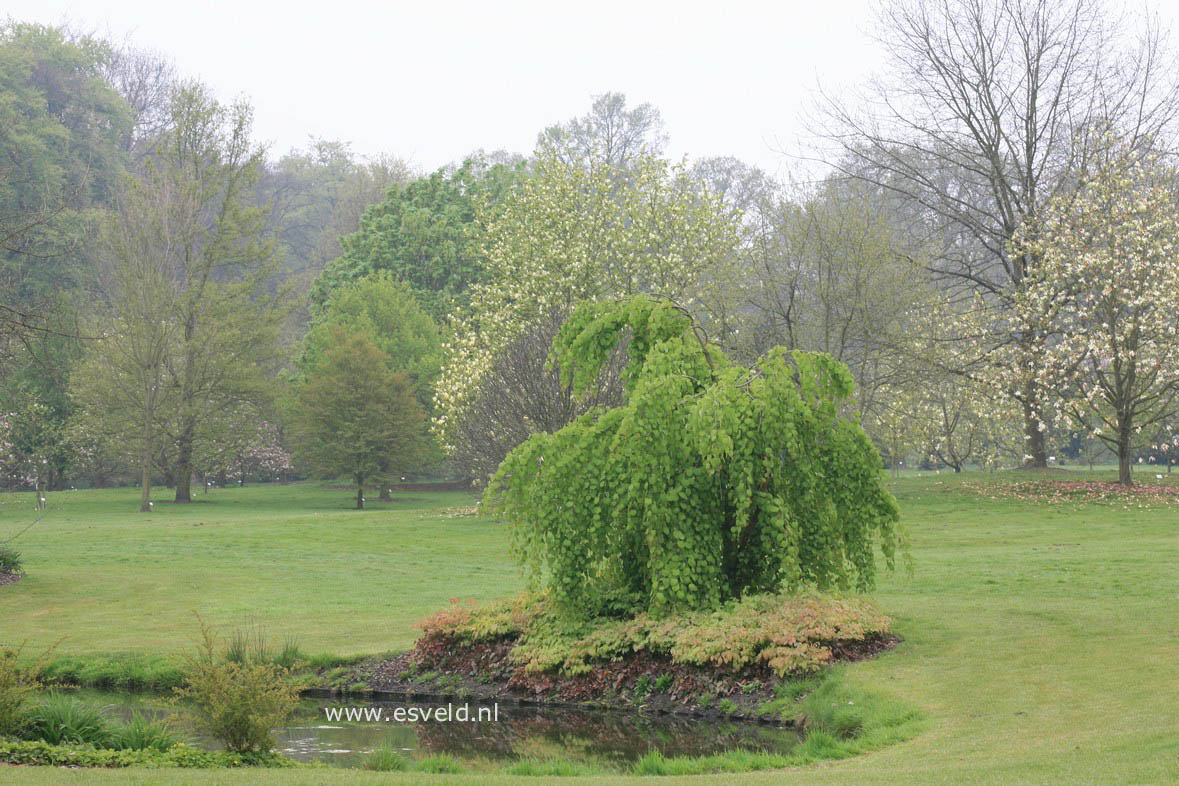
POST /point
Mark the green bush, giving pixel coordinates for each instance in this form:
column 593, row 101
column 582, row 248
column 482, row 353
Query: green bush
column 385, row 759
column 40, row 753
column 248, row 646
column 238, row 703
column 10, row 561
column 60, row 720
column 143, row 734
column 17, row 684
column 711, row 482
column 251, row 645
column 290, row 656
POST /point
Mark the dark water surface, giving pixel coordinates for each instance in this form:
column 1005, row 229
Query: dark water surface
column 317, row 732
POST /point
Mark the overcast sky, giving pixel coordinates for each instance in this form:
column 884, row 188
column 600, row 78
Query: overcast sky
column 432, row 81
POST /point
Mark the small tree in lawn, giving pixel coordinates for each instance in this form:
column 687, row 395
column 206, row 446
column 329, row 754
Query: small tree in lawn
column 355, row 417
column 1110, row 282
column 712, row 481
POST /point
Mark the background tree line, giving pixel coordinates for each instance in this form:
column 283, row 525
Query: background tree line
column 178, row 304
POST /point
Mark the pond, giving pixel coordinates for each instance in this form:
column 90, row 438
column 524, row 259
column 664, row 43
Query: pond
column 343, row 733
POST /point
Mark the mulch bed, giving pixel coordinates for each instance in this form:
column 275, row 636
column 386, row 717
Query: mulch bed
column 483, row 673
column 10, row 578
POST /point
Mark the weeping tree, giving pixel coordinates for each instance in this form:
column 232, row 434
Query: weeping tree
column 711, row 481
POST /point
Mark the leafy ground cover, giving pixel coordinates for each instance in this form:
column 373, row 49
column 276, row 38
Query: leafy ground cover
column 729, row 662
column 1039, row 640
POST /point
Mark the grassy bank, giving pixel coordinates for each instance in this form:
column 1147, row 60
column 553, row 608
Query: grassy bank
column 1041, row 641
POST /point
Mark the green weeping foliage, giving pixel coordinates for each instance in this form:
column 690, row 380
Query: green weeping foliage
column 711, row 482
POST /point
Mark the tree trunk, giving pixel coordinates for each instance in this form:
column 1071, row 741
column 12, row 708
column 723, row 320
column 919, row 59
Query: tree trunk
column 184, row 466
column 386, row 494
column 1125, row 429
column 360, row 492
column 1035, row 449
column 145, row 467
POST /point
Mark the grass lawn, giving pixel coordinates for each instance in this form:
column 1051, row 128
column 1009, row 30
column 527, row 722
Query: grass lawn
column 294, row 560
column 1041, row 640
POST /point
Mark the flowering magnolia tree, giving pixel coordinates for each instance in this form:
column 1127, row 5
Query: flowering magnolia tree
column 261, row 456
column 10, row 464
column 949, row 419
column 939, row 397
column 582, row 231
column 32, row 448
column 1165, row 449
column 1107, row 290
column 246, row 446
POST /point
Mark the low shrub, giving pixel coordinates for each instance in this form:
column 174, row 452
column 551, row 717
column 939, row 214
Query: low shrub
column 32, row 753
column 290, row 656
column 143, row 734
column 60, row 720
column 788, row 634
column 385, row 759
column 138, row 672
column 248, row 646
column 10, row 560
column 505, row 619
column 237, row 703
column 18, row 682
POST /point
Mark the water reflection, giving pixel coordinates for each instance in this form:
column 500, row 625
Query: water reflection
column 518, row 732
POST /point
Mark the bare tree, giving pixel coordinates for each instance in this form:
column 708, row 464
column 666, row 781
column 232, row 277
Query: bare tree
column 986, row 110
column 522, row 396
column 146, row 80
column 610, row 134
column 831, row 272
